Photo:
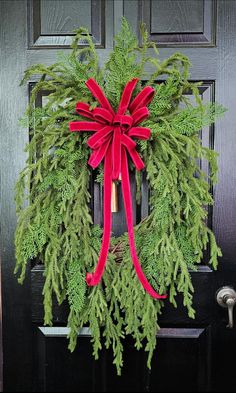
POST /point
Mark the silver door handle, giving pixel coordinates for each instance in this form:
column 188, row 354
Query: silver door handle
column 226, row 297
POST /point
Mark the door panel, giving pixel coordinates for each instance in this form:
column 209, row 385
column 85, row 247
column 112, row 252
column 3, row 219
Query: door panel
column 31, row 32
column 59, row 371
column 175, row 23
column 51, row 22
column 202, row 281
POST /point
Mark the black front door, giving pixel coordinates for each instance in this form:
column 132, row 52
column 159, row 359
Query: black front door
column 191, row 355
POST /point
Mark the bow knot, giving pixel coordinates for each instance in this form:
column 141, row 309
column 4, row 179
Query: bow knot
column 123, row 121
column 112, row 139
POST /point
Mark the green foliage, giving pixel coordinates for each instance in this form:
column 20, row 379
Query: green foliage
column 53, row 200
column 76, row 287
column 122, row 65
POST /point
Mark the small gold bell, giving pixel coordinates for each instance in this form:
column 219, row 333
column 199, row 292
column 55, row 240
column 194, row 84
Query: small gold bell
column 114, row 198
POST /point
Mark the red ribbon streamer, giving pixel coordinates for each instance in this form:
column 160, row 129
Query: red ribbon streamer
column 111, row 141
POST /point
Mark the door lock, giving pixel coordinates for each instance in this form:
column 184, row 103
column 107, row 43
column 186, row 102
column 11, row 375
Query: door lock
column 226, row 297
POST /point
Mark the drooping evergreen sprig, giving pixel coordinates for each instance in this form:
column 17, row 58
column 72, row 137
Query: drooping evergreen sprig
column 55, row 223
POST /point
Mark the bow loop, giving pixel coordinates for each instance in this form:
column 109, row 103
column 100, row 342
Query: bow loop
column 128, row 142
column 126, row 96
column 85, row 126
column 99, row 137
column 99, row 95
column 142, row 99
column 103, row 115
column 83, row 109
column 140, row 115
column 140, row 132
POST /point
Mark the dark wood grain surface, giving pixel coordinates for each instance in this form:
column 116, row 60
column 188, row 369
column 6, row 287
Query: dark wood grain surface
column 1, row 344
column 63, row 16
column 17, row 331
column 224, row 218
column 178, row 18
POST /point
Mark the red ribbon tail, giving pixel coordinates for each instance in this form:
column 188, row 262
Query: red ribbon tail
column 94, row 278
column 129, row 217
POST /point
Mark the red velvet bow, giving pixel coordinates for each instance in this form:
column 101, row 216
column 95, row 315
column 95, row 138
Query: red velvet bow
column 111, row 141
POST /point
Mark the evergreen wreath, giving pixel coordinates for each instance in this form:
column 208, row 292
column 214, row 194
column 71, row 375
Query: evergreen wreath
column 56, row 227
